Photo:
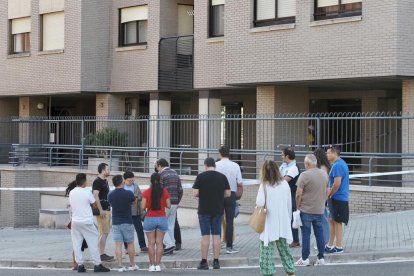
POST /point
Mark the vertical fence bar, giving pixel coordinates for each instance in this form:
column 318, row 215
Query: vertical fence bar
column 81, row 155
column 318, row 132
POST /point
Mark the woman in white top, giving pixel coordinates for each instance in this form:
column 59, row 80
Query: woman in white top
column 274, row 192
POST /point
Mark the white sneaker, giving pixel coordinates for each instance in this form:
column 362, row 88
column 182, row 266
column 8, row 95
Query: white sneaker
column 133, row 268
column 122, row 269
column 151, row 268
column 157, row 268
column 320, row 261
column 301, row 262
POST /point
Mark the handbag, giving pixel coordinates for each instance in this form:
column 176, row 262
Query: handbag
column 258, row 218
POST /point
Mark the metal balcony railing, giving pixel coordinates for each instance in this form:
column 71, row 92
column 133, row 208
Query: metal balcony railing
column 176, row 66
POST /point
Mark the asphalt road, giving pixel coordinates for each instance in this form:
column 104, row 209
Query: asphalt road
column 370, row 269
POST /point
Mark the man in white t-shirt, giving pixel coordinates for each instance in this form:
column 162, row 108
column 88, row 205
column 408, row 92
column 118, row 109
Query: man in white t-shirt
column 233, row 173
column 82, row 226
column 289, row 170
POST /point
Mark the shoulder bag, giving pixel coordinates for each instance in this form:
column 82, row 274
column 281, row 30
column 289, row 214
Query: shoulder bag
column 258, row 218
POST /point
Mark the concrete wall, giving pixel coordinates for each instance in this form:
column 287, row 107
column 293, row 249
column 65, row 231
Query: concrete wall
column 380, row 199
column 209, row 58
column 313, row 50
column 96, row 45
column 40, row 72
column 136, row 68
column 20, row 208
column 405, row 39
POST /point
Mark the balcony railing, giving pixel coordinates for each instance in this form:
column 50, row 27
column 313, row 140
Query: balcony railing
column 176, row 67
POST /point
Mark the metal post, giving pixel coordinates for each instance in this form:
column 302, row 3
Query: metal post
column 50, row 157
column 110, row 159
column 145, row 161
column 181, row 162
column 370, row 170
column 81, row 153
column 147, row 166
column 80, row 159
column 318, row 132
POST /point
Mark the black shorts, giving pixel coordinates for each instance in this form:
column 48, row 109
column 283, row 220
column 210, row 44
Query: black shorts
column 339, row 211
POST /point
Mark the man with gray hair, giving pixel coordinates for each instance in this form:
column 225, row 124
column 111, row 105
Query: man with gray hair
column 310, row 200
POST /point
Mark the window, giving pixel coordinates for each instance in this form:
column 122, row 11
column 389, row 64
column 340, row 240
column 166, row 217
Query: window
column 20, row 35
column 325, row 9
column 272, row 12
column 185, row 20
column 216, row 18
column 53, row 31
column 133, row 26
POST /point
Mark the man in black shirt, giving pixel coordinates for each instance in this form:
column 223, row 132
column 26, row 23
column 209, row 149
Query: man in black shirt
column 100, row 189
column 210, row 187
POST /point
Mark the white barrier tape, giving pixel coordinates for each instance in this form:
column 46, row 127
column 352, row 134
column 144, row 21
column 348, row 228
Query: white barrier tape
column 379, row 174
column 246, row 182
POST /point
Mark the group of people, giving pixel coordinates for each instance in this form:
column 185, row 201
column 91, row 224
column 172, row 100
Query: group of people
column 320, row 193
column 123, row 210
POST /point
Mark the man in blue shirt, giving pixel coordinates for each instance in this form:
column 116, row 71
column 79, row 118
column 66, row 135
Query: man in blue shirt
column 121, row 201
column 338, row 199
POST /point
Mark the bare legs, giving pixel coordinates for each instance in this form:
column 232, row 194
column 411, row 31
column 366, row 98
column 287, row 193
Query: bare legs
column 155, row 246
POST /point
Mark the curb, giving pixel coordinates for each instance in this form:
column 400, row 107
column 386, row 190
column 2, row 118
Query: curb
column 386, row 255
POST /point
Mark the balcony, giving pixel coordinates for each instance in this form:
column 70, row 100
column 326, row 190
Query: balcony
column 176, row 66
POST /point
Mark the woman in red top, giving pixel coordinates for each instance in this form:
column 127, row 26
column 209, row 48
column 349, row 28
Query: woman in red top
column 155, row 200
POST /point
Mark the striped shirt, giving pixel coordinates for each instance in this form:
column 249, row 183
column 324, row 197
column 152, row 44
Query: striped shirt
column 171, row 181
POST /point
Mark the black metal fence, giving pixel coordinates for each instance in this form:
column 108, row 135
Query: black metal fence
column 374, row 142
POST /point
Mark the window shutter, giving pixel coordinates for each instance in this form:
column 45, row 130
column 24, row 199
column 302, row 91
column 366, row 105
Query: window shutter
column 19, row 8
column 217, row 2
column 21, row 25
column 185, row 20
column 327, row 3
column 53, row 31
column 49, row 6
column 134, row 14
column 265, row 9
column 350, row 1
column 286, row 8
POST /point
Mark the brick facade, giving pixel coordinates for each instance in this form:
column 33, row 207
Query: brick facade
column 316, row 50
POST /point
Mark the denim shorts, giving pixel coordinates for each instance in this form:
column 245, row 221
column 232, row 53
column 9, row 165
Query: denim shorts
column 123, row 232
column 155, row 223
column 210, row 225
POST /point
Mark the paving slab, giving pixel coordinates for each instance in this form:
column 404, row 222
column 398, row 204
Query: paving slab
column 368, row 237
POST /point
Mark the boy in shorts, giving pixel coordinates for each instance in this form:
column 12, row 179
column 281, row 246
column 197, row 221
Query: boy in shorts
column 121, row 201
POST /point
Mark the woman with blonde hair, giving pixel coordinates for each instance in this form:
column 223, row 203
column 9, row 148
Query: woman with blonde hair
column 274, row 191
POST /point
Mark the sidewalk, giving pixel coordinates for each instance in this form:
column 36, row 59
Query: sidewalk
column 367, row 237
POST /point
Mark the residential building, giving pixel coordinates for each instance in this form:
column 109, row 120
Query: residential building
column 172, row 57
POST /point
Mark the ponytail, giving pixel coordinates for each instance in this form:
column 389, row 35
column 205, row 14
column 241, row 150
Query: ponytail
column 156, row 192
column 72, row 185
column 79, row 181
